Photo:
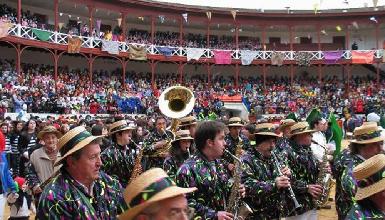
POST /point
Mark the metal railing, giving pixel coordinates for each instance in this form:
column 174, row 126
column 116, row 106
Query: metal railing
column 92, row 42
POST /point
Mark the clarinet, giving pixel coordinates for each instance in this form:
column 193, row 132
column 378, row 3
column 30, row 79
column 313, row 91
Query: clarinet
column 292, row 195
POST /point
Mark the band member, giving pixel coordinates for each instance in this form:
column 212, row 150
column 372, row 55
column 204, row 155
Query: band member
column 367, row 143
column 41, row 165
column 188, row 123
column 80, row 190
column 319, row 144
column 119, row 159
column 179, row 152
column 158, row 139
column 305, row 168
column 165, row 200
column 233, row 139
column 284, row 141
column 262, row 180
column 206, row 171
column 370, row 194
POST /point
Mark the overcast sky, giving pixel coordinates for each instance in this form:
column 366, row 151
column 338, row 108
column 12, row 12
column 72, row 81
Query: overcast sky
column 281, row 4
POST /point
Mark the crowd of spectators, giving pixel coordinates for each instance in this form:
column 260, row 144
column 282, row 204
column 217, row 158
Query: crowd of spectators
column 161, row 38
column 35, row 91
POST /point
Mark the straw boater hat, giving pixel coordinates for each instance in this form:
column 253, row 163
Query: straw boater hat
column 265, row 129
column 187, row 121
column 300, row 128
column 366, row 134
column 235, row 122
column 370, row 176
column 182, row 135
column 286, row 123
column 74, row 140
column 48, row 130
column 120, row 126
column 150, row 187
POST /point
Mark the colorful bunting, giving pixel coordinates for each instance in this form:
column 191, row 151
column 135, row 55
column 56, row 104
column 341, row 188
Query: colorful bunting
column 167, row 51
column 208, row 13
column 111, row 47
column 222, row 56
column 331, row 57
column 41, row 35
column 234, row 14
column 247, row 56
column 4, row 28
column 277, row 58
column 74, row 44
column 362, row 57
column 185, row 17
column 137, row 52
column 194, row 53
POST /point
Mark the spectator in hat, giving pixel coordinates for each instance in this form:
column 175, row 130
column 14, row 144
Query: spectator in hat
column 367, row 142
column 283, row 142
column 373, row 117
column 119, row 158
column 180, row 150
column 370, row 196
column 20, row 202
column 41, row 163
column 154, row 195
column 188, row 123
column 93, row 194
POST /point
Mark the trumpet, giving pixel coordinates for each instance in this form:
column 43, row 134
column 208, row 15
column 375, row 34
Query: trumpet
column 291, row 192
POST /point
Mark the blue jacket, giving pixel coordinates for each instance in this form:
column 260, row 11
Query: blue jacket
column 7, row 183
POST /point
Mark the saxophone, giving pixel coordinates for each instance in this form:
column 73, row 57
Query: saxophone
column 238, row 208
column 324, row 179
column 138, row 169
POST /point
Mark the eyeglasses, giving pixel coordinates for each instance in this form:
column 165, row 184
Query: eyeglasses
column 178, row 214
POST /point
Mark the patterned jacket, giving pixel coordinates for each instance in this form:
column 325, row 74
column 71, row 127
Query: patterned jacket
column 345, row 184
column 148, row 145
column 118, row 162
column 65, row 198
column 359, row 212
column 304, row 169
column 172, row 163
column 262, row 195
column 231, row 145
column 212, row 180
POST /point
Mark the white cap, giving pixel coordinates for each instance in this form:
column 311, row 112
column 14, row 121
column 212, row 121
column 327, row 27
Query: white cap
column 373, row 117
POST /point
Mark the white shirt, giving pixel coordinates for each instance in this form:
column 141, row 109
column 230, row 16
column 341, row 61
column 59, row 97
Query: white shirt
column 318, row 145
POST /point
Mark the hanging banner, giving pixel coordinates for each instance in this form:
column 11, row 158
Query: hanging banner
column 375, row 2
column 111, row 47
column 41, row 35
column 303, row 58
column 362, row 57
column 137, row 52
column 332, row 57
column 234, row 14
column 194, row 53
column 247, row 56
column 222, row 57
column 167, row 51
column 119, row 21
column 277, row 58
column 4, row 28
column 208, row 13
column 74, row 44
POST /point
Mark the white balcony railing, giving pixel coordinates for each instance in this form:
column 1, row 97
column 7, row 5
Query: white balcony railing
column 90, row 42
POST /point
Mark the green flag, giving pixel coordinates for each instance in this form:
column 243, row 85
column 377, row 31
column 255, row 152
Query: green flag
column 41, row 34
column 315, row 113
column 292, row 115
column 336, row 133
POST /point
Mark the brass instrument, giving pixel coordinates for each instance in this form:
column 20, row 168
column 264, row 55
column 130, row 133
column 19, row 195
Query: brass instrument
column 235, row 205
column 175, row 102
column 291, row 192
column 138, row 169
column 324, row 179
